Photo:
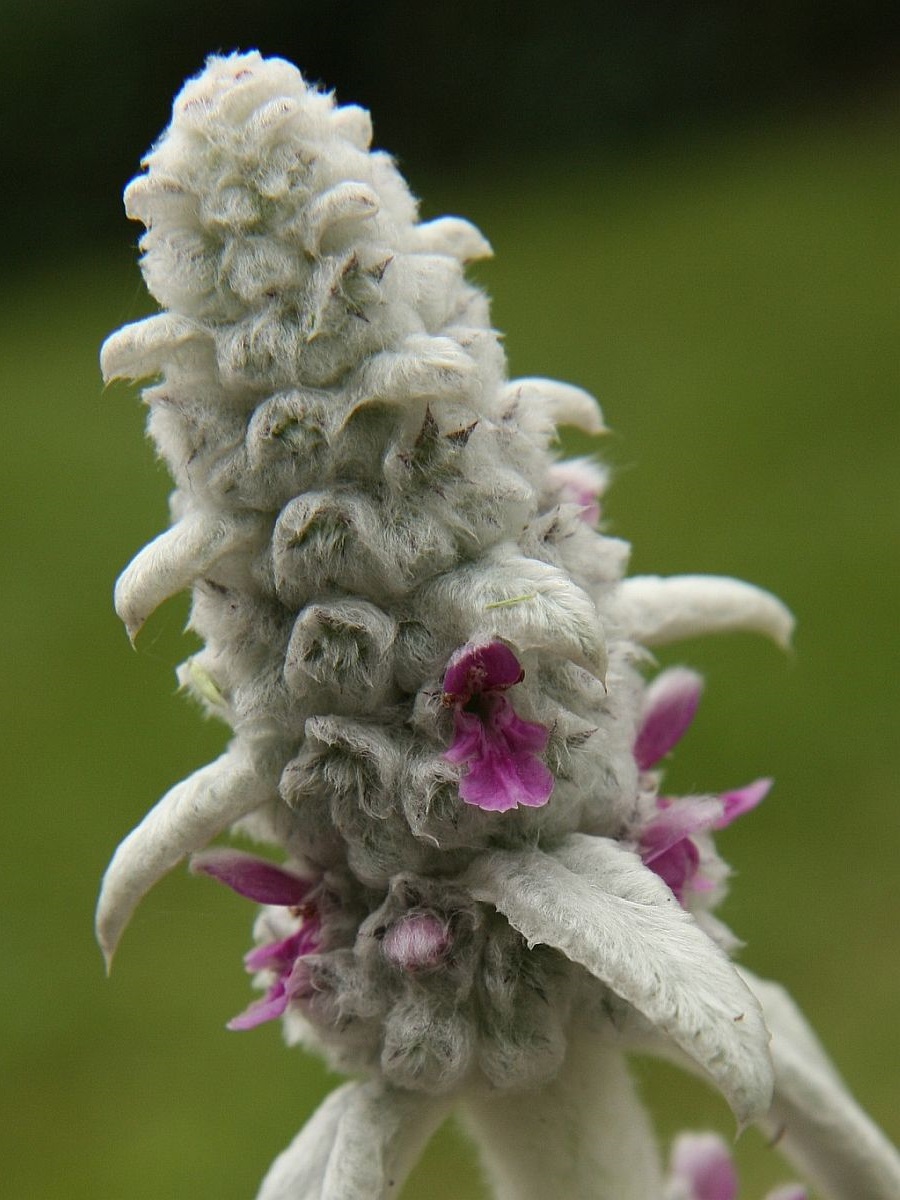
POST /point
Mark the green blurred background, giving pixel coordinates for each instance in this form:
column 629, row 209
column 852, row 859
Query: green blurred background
column 694, row 212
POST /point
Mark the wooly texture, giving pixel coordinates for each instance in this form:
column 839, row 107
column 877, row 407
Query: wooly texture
column 362, row 500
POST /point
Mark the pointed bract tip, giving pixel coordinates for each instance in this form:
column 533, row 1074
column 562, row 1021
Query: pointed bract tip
column 106, row 935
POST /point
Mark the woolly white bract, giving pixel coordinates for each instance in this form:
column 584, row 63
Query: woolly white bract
column 427, row 654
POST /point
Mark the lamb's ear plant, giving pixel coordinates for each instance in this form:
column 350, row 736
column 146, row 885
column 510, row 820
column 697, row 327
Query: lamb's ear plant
column 477, row 899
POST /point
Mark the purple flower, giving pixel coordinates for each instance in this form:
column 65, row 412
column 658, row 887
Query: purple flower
column 670, row 703
column 702, row 1163
column 666, row 841
column 266, row 883
column 498, row 748
column 701, row 1168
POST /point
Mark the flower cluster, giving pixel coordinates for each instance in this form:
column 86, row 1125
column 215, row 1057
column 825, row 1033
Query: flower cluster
column 429, row 656
column 673, row 839
column 284, row 957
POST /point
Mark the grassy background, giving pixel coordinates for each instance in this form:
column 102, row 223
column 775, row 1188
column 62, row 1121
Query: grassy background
column 733, row 304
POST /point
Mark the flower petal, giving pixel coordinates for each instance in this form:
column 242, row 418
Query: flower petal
column 468, row 739
column 521, row 736
column 670, row 703
column 253, row 877
column 676, row 866
column 503, row 771
column 742, row 800
column 497, row 783
column 597, row 903
column 359, row 1145
column 677, row 819
column 281, row 955
column 269, row 1008
column 474, row 668
column 580, row 481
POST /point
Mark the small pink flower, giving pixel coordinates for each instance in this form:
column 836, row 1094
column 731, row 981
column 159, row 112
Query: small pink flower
column 701, row 1168
column 417, row 942
column 266, row 883
column 498, row 748
column 579, row 481
column 666, row 841
column 670, row 703
column 702, row 1163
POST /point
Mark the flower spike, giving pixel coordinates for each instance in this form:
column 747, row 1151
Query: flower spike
column 476, row 896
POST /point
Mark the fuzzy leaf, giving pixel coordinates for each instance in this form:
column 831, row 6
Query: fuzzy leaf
column 425, row 365
column 359, row 1145
column 597, row 903
column 820, row 1127
column 563, row 403
column 530, row 603
column 354, row 124
column 349, row 201
column 144, row 348
column 186, row 819
column 655, row 611
column 454, row 236
column 172, row 562
column 327, row 540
